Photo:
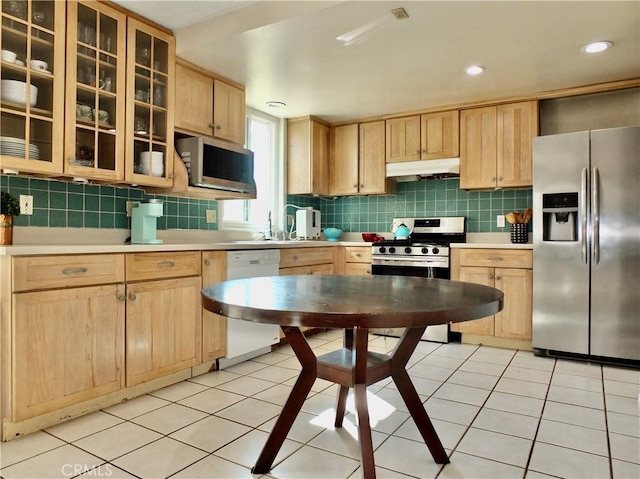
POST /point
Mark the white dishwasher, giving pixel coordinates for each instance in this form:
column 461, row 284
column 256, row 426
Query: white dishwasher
column 246, row 339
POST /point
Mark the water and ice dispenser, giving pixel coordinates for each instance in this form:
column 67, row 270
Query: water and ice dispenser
column 560, row 217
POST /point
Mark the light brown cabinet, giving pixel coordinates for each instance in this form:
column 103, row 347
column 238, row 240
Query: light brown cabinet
column 149, row 106
column 307, row 260
column 214, row 326
column 440, row 135
column 207, row 105
column 307, row 156
column 358, row 160
column 403, row 139
column 32, row 113
column 228, row 112
column 164, row 316
column 96, row 67
column 429, row 136
column 68, row 331
column 510, row 271
column 496, row 146
column 357, row 260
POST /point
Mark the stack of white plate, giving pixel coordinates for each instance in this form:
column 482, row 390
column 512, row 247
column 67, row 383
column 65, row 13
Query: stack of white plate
column 152, row 162
column 16, row 92
column 11, row 146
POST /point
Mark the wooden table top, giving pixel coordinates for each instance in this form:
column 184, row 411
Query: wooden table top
column 345, row 301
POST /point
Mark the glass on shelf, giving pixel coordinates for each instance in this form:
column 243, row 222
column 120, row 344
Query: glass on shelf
column 15, row 8
column 108, row 33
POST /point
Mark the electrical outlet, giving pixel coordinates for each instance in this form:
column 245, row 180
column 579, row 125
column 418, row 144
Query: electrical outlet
column 211, row 216
column 500, row 221
column 26, row 204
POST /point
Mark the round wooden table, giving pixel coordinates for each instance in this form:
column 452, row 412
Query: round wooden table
column 355, row 304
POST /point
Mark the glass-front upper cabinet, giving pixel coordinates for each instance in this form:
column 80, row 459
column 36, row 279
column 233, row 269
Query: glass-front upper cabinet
column 95, row 103
column 32, row 86
column 150, row 77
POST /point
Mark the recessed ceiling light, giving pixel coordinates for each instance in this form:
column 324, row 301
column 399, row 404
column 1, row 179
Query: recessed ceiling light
column 276, row 104
column 597, row 47
column 475, row 70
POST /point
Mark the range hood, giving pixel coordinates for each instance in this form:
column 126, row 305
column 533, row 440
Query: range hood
column 417, row 170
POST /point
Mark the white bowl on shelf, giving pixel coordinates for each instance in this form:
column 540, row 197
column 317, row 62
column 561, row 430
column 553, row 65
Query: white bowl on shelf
column 16, row 91
column 39, row 65
column 8, row 56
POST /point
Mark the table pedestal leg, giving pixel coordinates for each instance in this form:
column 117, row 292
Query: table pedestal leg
column 343, row 393
column 401, row 378
column 295, row 401
column 362, row 408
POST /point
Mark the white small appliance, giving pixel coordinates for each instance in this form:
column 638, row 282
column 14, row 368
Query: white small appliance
column 308, row 223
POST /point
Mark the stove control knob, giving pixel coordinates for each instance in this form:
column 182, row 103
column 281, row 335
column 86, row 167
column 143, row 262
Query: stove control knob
column 382, row 249
column 407, row 250
column 392, row 250
column 435, row 250
column 425, row 250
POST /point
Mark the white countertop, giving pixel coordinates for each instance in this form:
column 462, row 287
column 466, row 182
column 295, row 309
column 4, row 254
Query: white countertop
column 493, row 245
column 29, row 241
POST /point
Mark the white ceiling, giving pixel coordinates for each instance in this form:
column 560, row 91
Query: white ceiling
column 288, row 50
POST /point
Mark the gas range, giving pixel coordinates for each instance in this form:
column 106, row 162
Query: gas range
column 429, row 240
column 424, row 253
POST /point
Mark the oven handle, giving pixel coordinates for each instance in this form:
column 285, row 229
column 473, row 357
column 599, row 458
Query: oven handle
column 440, row 263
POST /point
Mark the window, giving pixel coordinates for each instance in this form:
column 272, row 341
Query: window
column 263, row 138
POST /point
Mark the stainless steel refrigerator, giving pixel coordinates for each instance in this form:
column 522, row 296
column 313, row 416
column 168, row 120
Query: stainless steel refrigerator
column 586, row 244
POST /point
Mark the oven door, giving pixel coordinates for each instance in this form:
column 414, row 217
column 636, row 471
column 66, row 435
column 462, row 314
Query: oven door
column 432, row 269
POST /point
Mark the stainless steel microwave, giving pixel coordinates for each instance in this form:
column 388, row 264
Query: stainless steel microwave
column 217, row 164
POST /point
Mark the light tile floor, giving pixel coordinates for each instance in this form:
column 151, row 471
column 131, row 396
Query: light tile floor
column 499, row 413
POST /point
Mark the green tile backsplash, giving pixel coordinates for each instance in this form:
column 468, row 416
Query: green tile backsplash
column 64, row 204
column 74, row 205
column 419, row 198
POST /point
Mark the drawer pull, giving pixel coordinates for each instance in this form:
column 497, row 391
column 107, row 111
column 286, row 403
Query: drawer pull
column 74, row 270
column 295, row 258
column 132, row 296
column 495, row 258
column 207, row 262
column 166, row 264
column 358, row 255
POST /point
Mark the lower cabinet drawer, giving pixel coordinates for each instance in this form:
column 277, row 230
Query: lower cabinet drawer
column 358, row 254
column 52, row 272
column 305, row 256
column 501, row 258
column 142, row 266
column 313, row 269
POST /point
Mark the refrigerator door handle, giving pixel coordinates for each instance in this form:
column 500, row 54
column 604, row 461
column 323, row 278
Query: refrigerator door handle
column 583, row 214
column 595, row 214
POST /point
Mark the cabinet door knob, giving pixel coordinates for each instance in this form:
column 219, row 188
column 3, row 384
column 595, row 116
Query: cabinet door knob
column 295, row 258
column 122, row 297
column 132, row 296
column 207, row 262
column 218, row 127
column 490, row 276
column 212, row 125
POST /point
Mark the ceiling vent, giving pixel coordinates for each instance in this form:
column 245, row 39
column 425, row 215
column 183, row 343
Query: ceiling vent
column 400, row 13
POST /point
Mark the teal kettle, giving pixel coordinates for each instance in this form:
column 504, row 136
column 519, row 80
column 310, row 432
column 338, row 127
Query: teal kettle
column 402, row 232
